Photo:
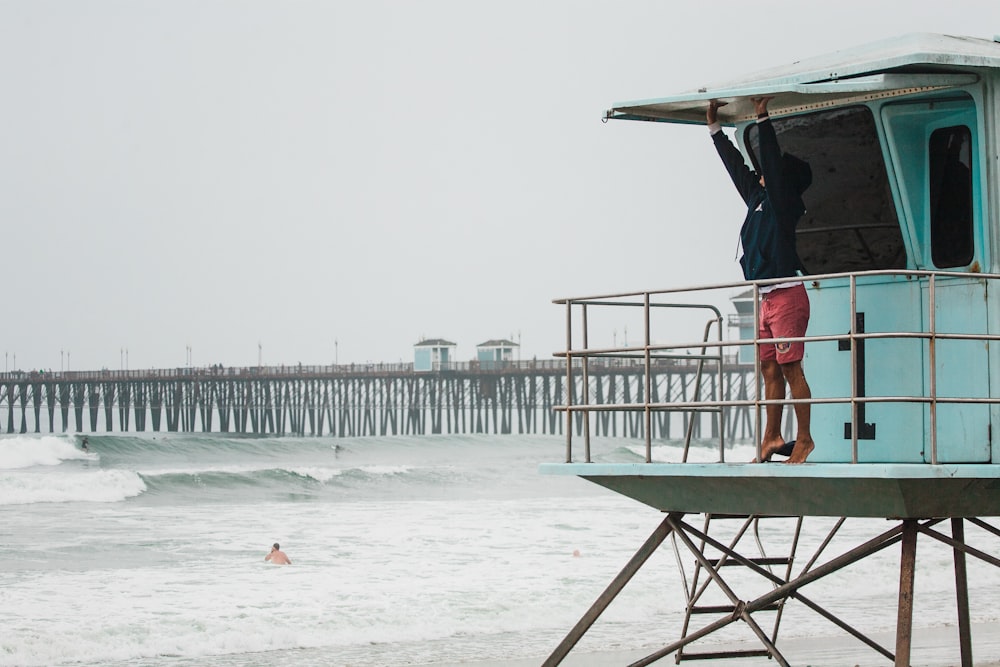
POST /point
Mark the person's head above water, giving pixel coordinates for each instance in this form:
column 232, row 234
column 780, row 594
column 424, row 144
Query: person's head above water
column 277, row 547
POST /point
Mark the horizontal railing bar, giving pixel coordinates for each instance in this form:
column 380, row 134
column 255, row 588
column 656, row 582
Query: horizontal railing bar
column 689, row 405
column 617, row 352
column 640, row 304
column 774, row 281
column 631, row 407
column 604, row 354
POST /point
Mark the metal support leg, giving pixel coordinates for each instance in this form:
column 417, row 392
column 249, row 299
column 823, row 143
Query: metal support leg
column 616, row 586
column 962, row 593
column 904, row 618
column 790, row 588
column 741, row 610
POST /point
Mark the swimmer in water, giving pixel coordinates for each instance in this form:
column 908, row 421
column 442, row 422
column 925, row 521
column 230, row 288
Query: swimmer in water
column 277, row 556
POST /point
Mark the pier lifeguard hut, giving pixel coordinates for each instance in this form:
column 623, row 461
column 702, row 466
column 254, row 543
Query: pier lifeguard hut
column 901, row 248
column 433, row 354
column 743, row 321
column 496, row 353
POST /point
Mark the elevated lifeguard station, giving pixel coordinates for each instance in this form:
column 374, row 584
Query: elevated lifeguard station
column 901, row 246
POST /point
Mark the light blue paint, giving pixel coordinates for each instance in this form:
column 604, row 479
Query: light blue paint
column 893, row 368
column 907, row 128
column 492, row 356
column 422, row 359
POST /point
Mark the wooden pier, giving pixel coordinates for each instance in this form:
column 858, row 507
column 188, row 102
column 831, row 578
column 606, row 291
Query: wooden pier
column 369, row 399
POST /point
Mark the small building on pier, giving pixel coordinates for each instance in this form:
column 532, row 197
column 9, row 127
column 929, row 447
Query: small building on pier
column 743, row 321
column 433, row 354
column 495, row 354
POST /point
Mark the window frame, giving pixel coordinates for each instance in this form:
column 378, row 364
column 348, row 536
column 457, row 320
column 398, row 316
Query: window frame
column 829, row 236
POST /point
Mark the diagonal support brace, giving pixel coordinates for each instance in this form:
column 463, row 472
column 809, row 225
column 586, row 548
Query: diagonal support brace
column 611, row 592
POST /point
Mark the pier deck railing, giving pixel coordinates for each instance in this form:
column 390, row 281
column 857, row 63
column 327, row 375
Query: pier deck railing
column 713, row 350
column 280, row 371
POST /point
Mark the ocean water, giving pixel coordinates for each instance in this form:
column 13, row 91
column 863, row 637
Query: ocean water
column 416, row 550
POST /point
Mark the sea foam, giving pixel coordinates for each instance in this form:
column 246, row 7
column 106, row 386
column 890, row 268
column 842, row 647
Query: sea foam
column 26, row 452
column 98, row 486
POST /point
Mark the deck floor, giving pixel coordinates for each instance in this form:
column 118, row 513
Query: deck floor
column 889, row 490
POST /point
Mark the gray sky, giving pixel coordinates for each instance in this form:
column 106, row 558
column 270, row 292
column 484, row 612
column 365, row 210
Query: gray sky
column 217, row 174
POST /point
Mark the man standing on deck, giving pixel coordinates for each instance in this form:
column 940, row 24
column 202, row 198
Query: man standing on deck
column 768, row 241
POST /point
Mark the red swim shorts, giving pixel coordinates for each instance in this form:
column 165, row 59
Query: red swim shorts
column 784, row 313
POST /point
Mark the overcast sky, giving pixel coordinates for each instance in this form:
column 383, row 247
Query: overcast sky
column 341, row 179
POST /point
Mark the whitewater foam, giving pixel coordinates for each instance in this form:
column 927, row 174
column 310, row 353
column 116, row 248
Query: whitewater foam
column 48, row 450
column 95, row 486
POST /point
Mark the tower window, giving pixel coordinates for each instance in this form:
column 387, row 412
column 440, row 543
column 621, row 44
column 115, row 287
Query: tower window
column 950, row 188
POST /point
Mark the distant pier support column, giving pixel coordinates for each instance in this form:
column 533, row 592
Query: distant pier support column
column 124, row 401
column 36, row 406
column 156, row 404
column 141, row 391
column 24, row 407
column 50, row 398
column 79, row 398
column 94, row 403
column 109, row 406
column 65, row 400
column 10, row 408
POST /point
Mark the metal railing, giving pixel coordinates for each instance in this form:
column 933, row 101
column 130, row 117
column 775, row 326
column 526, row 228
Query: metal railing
column 648, row 352
column 712, row 350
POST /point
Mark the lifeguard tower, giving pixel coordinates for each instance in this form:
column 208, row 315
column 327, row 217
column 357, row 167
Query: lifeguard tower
column 496, row 353
column 433, row 354
column 901, row 246
column 744, row 322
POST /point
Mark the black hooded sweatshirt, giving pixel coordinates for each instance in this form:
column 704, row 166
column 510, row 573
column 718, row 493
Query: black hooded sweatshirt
column 768, row 232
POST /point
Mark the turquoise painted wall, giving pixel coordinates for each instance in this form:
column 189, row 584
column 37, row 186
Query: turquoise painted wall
column 894, row 367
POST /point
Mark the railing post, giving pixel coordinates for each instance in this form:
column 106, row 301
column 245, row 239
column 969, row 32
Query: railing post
column 697, row 389
column 649, row 380
column 585, row 389
column 932, row 370
column 854, row 368
column 569, row 382
column 720, row 392
column 756, row 371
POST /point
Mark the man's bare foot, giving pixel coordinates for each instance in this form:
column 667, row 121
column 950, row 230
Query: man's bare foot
column 768, row 448
column 803, row 447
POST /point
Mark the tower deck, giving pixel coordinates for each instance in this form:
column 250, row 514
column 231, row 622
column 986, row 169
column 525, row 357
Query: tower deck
column 890, row 490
